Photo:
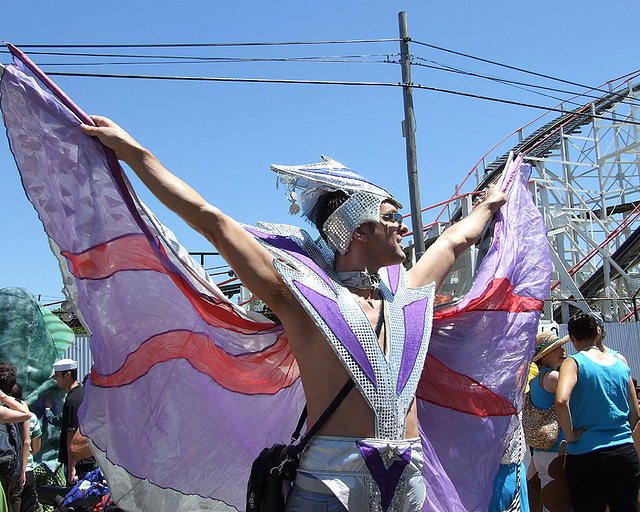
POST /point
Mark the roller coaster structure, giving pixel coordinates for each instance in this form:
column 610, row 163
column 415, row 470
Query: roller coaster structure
column 586, row 182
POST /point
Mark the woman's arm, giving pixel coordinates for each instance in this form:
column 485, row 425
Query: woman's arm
column 26, row 445
column 566, row 382
column 14, row 412
column 36, row 444
column 549, row 381
column 634, row 412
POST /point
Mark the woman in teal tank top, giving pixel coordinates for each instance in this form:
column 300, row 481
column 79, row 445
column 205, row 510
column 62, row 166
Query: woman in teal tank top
column 549, row 356
column 598, row 410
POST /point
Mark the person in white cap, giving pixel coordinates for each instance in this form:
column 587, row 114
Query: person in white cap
column 340, row 311
column 66, row 375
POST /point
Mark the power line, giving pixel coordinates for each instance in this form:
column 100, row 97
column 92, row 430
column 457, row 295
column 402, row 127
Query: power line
column 520, row 85
column 209, row 45
column 296, row 43
column 176, row 59
column 388, row 59
column 336, row 82
column 364, row 58
column 211, row 61
column 214, row 59
column 515, row 68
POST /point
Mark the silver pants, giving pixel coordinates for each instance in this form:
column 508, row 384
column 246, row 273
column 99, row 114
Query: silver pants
column 333, row 476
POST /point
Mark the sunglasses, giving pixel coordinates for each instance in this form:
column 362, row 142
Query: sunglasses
column 392, row 217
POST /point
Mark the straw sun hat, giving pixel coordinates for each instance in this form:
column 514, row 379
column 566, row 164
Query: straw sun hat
column 547, row 341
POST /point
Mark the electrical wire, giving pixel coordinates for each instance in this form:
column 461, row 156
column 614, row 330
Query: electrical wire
column 339, row 82
column 520, row 85
column 321, row 58
column 177, row 59
column 208, row 45
column 317, row 82
column 366, row 58
column 507, row 66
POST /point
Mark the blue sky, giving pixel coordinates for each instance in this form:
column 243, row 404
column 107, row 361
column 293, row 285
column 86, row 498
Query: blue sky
column 221, row 137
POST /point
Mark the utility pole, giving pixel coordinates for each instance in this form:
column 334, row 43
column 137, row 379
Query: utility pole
column 409, row 132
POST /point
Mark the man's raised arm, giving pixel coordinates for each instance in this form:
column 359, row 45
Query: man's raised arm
column 438, row 260
column 250, row 261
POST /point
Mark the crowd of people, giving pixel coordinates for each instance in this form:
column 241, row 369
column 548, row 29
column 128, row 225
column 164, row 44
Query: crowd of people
column 592, row 391
column 595, row 400
column 20, row 436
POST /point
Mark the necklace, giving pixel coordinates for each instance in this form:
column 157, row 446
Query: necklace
column 586, row 349
column 360, row 279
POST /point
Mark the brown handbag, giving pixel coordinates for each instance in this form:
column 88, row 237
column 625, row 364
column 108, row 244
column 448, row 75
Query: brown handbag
column 541, row 428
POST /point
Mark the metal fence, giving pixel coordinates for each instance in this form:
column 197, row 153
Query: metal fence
column 79, row 351
column 613, row 310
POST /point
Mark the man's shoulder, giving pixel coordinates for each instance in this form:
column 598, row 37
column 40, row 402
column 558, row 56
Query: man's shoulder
column 75, row 396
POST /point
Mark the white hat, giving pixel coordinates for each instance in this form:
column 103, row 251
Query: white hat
column 314, row 180
column 64, row 365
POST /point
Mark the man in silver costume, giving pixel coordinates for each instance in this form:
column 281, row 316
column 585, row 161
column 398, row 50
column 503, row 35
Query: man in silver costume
column 367, row 455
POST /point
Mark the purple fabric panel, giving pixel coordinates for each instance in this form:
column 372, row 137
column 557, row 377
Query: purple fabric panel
column 462, row 454
column 387, row 479
column 199, row 435
column 490, row 264
column 153, row 305
column 492, row 347
column 72, row 163
column 414, row 314
column 290, row 247
column 519, row 250
column 394, row 277
column 49, row 84
column 468, row 448
column 60, row 168
column 181, row 430
column 330, row 313
column 495, row 348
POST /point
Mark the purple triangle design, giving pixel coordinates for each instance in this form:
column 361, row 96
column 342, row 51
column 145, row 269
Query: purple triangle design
column 387, row 479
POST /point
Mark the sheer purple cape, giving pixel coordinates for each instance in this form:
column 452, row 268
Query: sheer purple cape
column 187, row 388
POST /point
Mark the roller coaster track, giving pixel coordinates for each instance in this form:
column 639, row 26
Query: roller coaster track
column 586, row 182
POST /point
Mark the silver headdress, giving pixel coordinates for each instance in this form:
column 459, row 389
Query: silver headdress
column 314, row 180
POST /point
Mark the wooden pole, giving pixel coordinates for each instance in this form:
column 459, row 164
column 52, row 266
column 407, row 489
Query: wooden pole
column 409, row 132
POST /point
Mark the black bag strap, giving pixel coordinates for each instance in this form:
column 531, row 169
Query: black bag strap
column 322, row 419
column 303, row 418
column 336, row 401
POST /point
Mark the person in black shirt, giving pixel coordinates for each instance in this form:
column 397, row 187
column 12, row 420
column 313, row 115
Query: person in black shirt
column 66, row 375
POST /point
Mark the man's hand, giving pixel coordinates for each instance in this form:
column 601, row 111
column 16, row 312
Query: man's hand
column 493, row 198
column 439, row 259
column 112, row 136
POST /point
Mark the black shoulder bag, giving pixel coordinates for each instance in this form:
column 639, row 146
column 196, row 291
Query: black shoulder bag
column 273, row 471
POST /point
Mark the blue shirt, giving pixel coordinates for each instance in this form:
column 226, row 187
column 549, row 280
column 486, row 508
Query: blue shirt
column 599, row 401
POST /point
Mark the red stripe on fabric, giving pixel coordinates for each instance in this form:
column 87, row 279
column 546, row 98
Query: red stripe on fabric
column 265, row 372
column 223, row 314
column 442, row 386
column 135, row 253
column 126, row 253
column 497, row 297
